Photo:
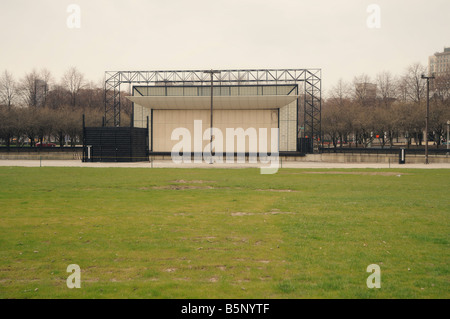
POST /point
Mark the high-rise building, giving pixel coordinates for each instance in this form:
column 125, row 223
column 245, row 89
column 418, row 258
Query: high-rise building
column 439, row 63
column 366, row 91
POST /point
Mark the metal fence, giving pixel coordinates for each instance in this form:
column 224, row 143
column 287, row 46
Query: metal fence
column 383, row 151
column 37, row 149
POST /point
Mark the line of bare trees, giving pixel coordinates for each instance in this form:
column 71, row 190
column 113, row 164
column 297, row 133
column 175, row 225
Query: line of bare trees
column 38, row 108
column 358, row 115
column 20, row 126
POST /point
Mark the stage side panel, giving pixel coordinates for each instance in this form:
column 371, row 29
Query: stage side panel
column 166, row 121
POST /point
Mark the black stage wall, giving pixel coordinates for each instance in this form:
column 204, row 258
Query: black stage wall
column 115, row 144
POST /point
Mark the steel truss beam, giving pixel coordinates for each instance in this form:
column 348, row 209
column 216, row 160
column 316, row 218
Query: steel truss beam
column 309, row 80
column 313, row 107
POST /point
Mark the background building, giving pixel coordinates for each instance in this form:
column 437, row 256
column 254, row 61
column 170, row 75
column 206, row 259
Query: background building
column 439, row 63
column 366, row 91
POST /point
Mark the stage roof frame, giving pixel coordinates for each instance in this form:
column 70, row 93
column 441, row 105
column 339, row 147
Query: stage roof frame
column 308, row 80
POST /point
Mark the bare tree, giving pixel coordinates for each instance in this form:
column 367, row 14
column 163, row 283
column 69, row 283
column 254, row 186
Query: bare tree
column 8, row 89
column 415, row 85
column 34, row 88
column 363, row 123
column 58, row 97
column 340, row 93
column 46, row 78
column 386, row 87
column 441, row 86
column 402, row 89
column 385, row 123
column 28, row 88
column 410, row 120
column 439, row 115
column 7, row 123
column 73, row 81
column 329, row 122
column 92, row 96
column 336, row 122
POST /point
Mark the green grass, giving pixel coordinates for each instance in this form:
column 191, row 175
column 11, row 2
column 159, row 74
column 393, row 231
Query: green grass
column 223, row 233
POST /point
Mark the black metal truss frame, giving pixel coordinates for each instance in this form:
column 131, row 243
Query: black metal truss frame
column 313, row 108
column 310, row 78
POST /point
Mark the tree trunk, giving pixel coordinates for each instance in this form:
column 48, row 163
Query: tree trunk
column 61, row 142
column 8, row 141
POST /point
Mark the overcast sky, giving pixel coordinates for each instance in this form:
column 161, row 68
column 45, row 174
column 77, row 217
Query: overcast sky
column 203, row 34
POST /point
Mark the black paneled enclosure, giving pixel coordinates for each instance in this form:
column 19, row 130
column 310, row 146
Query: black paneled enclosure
column 115, row 144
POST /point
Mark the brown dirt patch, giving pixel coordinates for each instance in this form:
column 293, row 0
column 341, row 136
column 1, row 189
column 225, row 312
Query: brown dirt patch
column 268, row 213
column 213, row 279
column 279, row 213
column 277, row 190
column 182, row 181
column 181, row 187
column 241, row 214
column 170, row 269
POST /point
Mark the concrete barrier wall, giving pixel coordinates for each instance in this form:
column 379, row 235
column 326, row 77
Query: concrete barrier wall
column 369, row 158
column 75, row 155
column 350, row 158
column 327, row 158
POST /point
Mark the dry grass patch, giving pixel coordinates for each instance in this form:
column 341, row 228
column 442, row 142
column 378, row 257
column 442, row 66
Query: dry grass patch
column 180, row 187
column 268, row 213
column 197, row 181
column 277, row 190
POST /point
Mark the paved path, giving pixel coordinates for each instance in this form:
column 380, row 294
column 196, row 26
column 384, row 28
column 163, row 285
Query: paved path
column 168, row 163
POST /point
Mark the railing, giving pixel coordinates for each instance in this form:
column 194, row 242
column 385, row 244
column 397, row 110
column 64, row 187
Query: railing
column 396, row 151
column 25, row 149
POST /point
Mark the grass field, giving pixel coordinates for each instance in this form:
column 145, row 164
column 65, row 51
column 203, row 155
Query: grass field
column 223, row 233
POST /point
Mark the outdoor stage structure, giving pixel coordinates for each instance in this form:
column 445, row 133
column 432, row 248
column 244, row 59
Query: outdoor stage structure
column 287, row 99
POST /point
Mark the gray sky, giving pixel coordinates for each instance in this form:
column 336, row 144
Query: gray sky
column 202, row 34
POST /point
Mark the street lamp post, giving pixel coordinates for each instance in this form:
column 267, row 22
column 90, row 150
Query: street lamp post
column 428, row 111
column 211, row 72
